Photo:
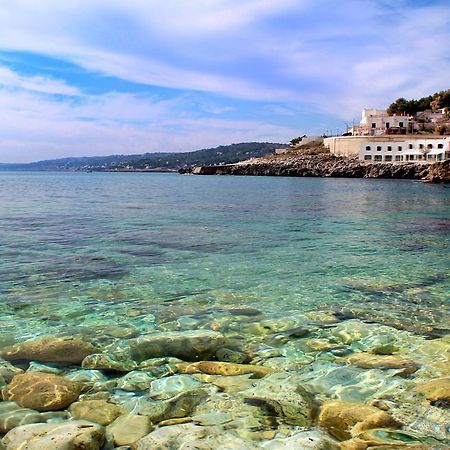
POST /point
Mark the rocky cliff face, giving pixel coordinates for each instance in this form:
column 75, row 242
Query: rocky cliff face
column 439, row 172
column 321, row 165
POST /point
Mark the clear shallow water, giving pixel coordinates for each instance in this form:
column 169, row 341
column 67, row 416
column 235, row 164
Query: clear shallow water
column 339, row 286
column 82, row 250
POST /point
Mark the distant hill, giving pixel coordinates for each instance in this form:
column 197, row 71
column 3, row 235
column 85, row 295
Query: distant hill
column 225, row 154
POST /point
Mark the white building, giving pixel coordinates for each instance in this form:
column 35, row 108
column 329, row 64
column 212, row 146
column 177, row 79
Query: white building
column 376, row 122
column 395, row 149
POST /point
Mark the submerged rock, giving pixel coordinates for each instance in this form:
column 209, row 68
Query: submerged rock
column 98, row 411
column 42, row 391
column 386, row 438
column 168, row 387
column 135, row 381
column 105, row 362
column 74, row 435
column 227, row 355
column 344, row 420
column 186, row 345
column 303, row 440
column 8, row 372
column 224, row 368
column 385, row 349
column 129, row 428
column 87, row 376
column 283, row 396
column 12, row 416
column 191, row 436
column 436, row 391
column 179, row 406
column 383, row 362
column 49, row 349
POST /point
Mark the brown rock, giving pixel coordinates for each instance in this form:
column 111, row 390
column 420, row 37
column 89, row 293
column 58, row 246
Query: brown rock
column 177, row 421
column 436, row 390
column 42, row 391
column 224, row 368
column 383, row 362
column 98, row 411
column 49, row 348
column 344, row 420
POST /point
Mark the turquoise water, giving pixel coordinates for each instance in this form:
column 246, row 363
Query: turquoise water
column 337, row 288
column 77, row 249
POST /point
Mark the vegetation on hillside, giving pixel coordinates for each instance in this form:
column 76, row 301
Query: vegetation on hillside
column 225, row 154
column 411, row 107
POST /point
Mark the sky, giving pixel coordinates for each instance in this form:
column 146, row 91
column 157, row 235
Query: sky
column 100, row 77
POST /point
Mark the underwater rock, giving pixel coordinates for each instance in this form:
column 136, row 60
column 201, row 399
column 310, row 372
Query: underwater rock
column 38, row 367
column 322, row 317
column 12, row 416
column 135, row 381
column 322, row 345
column 211, row 418
column 49, row 349
column 42, row 391
column 191, row 436
column 345, row 420
column 232, row 384
column 423, row 419
column 86, row 376
column 283, row 396
column 105, row 362
column 98, row 411
column 388, row 439
column 8, row 371
column 304, row 440
column 232, row 356
column 224, row 368
column 383, row 362
column 250, row 312
column 129, row 428
column 186, row 345
column 436, row 391
column 385, row 349
column 244, row 417
column 181, row 405
column 168, row 387
column 74, row 435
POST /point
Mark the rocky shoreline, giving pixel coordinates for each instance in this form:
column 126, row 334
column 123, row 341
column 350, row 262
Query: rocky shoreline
column 327, row 165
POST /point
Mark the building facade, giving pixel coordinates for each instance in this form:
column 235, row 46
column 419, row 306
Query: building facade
column 377, row 122
column 392, row 149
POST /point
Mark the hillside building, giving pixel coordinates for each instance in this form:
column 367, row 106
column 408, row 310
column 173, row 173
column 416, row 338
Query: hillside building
column 377, row 122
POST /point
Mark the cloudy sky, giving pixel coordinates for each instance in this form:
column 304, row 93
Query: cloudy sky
column 93, row 77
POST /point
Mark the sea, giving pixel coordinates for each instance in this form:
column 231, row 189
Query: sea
column 90, row 254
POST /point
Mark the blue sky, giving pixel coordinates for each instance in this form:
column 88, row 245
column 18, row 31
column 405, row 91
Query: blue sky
column 97, row 77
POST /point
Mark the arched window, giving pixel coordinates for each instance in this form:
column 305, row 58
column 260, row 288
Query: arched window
column 429, row 146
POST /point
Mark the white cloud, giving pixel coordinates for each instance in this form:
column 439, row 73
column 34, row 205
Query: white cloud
column 36, row 83
column 330, row 56
column 33, row 124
